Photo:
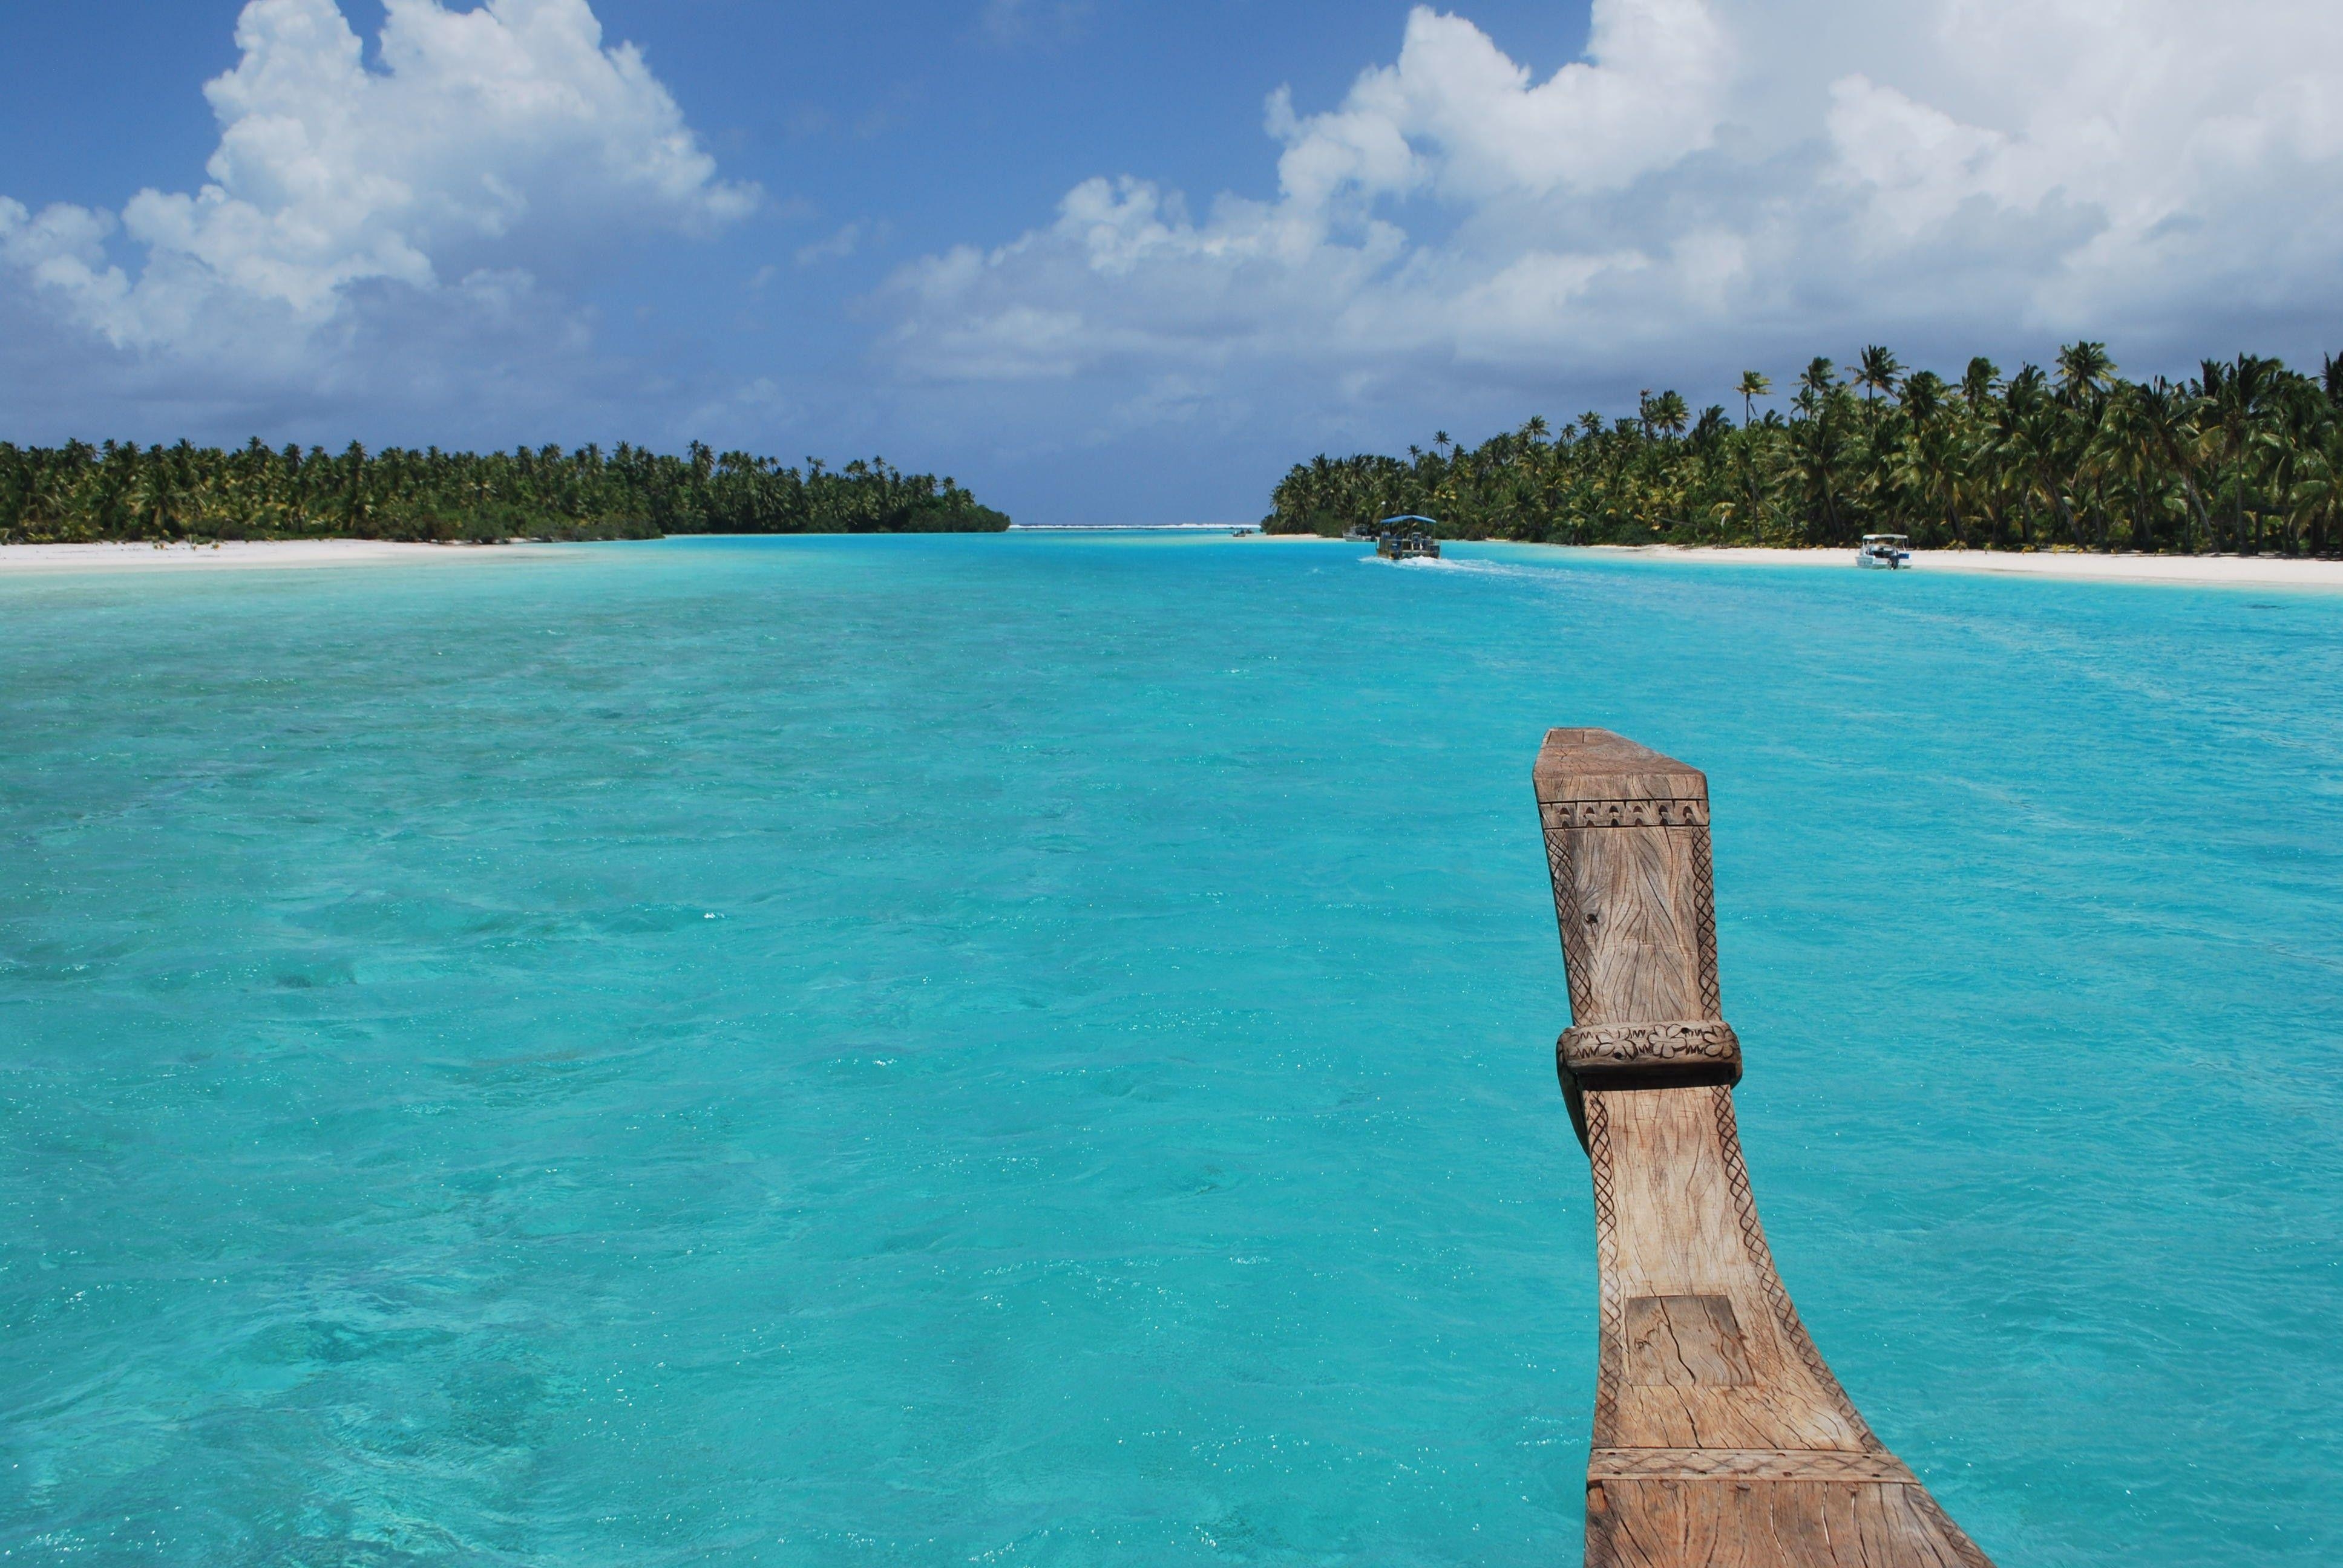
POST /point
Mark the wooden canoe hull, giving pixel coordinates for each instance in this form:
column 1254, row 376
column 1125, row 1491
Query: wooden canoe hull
column 1721, row 1438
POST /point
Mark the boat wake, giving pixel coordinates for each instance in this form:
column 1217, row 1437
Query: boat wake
column 1475, row 569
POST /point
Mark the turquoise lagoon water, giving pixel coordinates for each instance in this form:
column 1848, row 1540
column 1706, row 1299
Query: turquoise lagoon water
column 1037, row 1051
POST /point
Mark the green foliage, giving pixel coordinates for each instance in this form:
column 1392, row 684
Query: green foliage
column 118, row 491
column 2247, row 457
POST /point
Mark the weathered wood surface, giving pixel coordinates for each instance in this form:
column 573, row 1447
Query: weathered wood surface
column 1721, row 1438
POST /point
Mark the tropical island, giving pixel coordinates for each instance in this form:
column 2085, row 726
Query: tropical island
column 81, row 494
column 2246, row 458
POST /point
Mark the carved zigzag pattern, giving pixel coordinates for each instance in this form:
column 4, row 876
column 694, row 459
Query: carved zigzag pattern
column 1568, row 917
column 1747, row 1464
column 1971, row 1555
column 1704, row 877
column 1761, row 1256
column 1607, row 1242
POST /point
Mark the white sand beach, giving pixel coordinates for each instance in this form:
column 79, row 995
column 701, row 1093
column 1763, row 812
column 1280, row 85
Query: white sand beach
column 2236, row 571
column 238, row 555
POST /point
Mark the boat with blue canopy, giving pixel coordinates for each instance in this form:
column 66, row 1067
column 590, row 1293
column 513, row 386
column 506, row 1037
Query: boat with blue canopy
column 1406, row 539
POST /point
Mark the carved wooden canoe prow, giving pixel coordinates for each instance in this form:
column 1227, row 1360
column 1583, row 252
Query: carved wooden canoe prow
column 1721, row 1438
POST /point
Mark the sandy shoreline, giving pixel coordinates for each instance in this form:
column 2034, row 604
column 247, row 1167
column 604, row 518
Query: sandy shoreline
column 2231, row 572
column 236, row 554
column 2197, row 571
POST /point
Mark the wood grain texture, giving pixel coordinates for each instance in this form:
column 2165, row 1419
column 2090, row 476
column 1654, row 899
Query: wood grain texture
column 1685, row 1342
column 1721, row 1437
column 1725, row 1523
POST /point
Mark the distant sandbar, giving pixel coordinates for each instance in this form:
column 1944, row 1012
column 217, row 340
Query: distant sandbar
column 104, row 557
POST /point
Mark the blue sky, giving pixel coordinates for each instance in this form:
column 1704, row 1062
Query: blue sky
column 1121, row 261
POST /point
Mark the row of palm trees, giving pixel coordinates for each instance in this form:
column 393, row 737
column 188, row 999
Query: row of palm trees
column 122, row 491
column 2247, row 457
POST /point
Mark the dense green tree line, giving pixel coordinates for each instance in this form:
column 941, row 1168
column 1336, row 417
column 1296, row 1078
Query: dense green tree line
column 119, row 491
column 2245, row 457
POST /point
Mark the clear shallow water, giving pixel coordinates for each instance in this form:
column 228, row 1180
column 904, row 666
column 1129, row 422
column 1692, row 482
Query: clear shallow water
column 1038, row 1050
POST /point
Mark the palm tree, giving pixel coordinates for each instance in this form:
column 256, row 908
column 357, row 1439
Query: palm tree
column 1668, row 411
column 2240, row 396
column 1979, row 381
column 1817, row 380
column 1996, row 467
column 2168, row 418
column 1924, row 396
column 146, row 502
column 2036, row 446
column 1754, row 384
column 2131, row 449
column 2084, row 373
column 1818, row 456
column 2084, row 370
column 2300, row 483
column 1876, row 370
column 2317, row 492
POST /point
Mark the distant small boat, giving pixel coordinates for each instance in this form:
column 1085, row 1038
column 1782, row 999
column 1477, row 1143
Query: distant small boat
column 1358, row 534
column 1891, row 552
column 1242, row 531
column 1397, row 542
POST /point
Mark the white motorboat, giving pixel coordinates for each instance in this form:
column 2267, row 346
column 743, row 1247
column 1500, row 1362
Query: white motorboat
column 1891, row 551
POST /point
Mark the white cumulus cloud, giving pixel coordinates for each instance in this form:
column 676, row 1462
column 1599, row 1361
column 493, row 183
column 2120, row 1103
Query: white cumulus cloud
column 1456, row 114
column 1714, row 179
column 480, row 129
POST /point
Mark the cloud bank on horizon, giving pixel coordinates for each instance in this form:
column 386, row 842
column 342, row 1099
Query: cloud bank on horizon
column 1713, row 178
column 1715, row 183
